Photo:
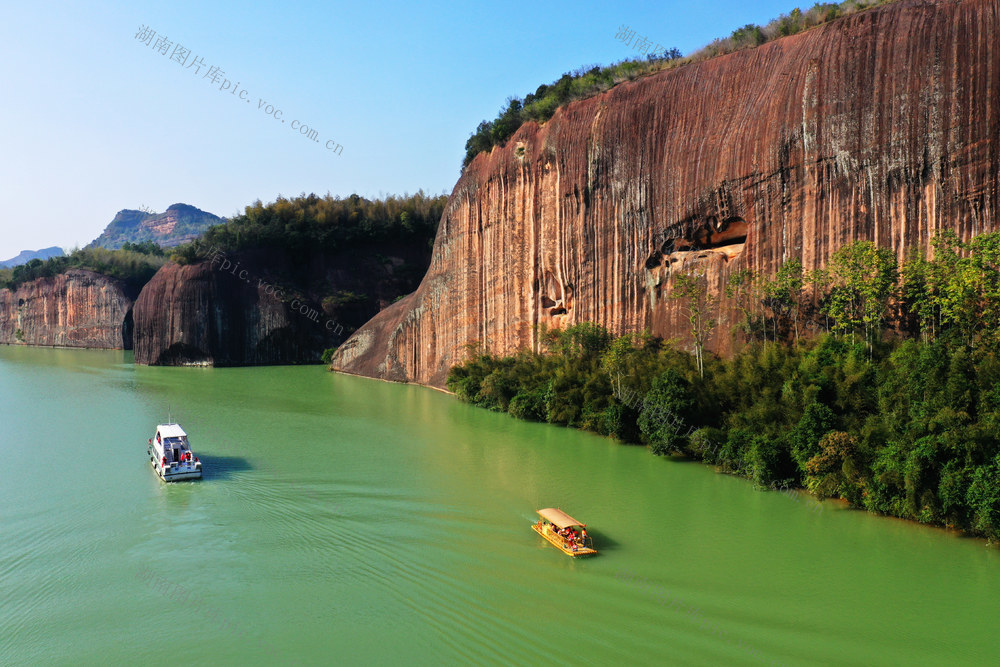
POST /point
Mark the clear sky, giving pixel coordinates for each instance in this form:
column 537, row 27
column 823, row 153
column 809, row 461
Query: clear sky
column 93, row 120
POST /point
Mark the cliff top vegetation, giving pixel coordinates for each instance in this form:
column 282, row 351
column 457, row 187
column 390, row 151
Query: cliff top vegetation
column 592, row 80
column 311, row 222
column 134, row 265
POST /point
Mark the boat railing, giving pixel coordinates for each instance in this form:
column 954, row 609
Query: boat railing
column 581, row 542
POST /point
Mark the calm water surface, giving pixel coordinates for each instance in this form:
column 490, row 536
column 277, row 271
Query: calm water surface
column 344, row 520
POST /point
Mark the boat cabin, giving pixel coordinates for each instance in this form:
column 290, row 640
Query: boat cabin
column 564, row 532
column 172, row 442
column 170, row 454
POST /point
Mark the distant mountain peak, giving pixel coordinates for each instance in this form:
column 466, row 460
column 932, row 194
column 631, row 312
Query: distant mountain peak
column 26, row 256
column 179, row 224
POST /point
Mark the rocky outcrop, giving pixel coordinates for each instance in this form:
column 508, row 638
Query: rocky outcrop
column 268, row 307
column 884, row 125
column 77, row 308
column 179, row 224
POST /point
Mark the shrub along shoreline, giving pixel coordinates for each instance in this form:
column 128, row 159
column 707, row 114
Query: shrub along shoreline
column 894, row 406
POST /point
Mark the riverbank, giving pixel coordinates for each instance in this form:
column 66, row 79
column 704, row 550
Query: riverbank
column 902, row 429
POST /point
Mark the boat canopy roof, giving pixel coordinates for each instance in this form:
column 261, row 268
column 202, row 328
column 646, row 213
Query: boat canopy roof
column 559, row 518
column 171, row 431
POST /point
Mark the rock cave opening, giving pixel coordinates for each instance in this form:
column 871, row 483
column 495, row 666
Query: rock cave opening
column 128, row 329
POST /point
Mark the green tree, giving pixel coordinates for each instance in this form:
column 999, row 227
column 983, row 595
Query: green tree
column 697, row 306
column 863, row 280
column 832, row 470
column 817, row 420
column 983, row 498
column 741, row 287
column 748, row 36
column 967, row 281
column 919, row 293
column 614, row 361
column 783, row 295
column 666, row 413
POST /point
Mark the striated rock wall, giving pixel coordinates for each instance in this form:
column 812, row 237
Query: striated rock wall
column 884, row 125
column 78, row 308
column 267, row 307
column 197, row 315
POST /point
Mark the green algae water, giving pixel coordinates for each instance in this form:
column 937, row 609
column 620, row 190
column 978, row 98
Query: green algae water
column 349, row 521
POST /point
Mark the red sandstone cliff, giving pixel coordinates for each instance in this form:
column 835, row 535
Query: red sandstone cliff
column 268, row 307
column 199, row 315
column 78, row 308
column 884, row 125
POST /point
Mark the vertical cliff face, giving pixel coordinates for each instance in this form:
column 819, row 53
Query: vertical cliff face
column 268, row 307
column 77, row 308
column 884, row 126
column 198, row 315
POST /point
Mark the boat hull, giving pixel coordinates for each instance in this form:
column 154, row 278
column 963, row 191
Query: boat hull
column 559, row 543
column 177, row 472
column 180, row 476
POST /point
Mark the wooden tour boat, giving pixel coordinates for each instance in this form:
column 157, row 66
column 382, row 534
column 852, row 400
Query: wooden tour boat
column 564, row 532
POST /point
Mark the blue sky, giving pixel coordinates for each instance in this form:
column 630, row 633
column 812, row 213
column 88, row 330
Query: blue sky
column 94, row 121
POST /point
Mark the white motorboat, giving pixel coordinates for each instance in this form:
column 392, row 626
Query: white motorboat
column 171, row 456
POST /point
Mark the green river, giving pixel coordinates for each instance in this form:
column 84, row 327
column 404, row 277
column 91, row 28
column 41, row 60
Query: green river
column 343, row 520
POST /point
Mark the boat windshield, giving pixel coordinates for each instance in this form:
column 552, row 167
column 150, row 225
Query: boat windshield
column 174, row 442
